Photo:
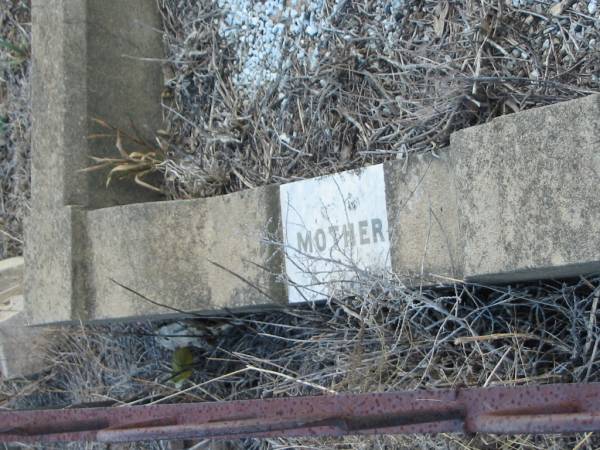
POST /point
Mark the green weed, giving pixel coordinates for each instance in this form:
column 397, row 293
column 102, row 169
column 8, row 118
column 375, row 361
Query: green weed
column 18, row 53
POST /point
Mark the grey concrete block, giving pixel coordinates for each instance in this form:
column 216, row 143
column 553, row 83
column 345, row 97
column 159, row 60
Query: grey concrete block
column 528, row 193
column 86, row 65
column 183, row 254
column 53, row 241
column 423, row 220
column 11, row 278
column 122, row 87
column 20, row 345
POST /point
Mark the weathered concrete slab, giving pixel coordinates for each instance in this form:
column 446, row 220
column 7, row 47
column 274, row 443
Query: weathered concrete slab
column 529, row 194
column 20, row 351
column 482, row 210
column 514, row 199
column 183, row 254
column 84, row 67
column 423, row 220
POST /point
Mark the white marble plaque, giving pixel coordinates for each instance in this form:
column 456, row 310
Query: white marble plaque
column 334, row 227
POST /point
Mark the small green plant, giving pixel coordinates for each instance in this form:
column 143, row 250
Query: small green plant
column 129, row 164
column 181, row 365
column 3, row 125
column 18, row 54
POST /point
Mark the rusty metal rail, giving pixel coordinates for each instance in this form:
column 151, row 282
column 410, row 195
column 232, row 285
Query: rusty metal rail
column 558, row 408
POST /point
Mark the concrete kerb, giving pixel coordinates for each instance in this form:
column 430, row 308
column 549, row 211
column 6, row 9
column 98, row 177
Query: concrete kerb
column 19, row 343
column 528, row 193
column 84, row 67
column 494, row 206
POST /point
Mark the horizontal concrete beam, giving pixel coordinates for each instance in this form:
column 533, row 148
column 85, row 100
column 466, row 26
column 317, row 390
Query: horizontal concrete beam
column 528, row 190
column 183, row 254
column 511, row 200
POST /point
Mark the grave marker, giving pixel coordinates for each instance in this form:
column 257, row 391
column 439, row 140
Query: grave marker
column 333, row 225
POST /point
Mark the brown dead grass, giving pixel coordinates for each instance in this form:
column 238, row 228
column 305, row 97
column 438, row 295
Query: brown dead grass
column 15, row 125
column 384, row 337
column 373, row 96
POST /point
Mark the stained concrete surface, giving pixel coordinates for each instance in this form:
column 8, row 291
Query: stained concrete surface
column 529, row 194
column 184, row 254
column 423, row 221
column 86, row 65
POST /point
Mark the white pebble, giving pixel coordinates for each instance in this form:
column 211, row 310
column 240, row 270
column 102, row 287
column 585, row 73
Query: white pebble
column 263, row 32
column 311, row 30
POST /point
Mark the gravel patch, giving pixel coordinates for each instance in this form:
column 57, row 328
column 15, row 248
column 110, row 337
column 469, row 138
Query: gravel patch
column 274, row 91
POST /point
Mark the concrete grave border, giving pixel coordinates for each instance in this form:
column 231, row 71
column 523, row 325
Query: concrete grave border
column 20, row 345
column 511, row 200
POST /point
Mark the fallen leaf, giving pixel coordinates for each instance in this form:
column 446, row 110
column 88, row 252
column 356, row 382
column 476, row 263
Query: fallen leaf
column 181, row 364
column 559, row 8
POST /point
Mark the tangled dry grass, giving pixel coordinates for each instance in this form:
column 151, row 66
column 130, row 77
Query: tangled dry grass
column 384, row 337
column 374, row 94
column 15, row 124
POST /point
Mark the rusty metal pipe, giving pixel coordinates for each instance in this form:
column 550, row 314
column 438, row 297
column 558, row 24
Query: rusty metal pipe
column 559, row 408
